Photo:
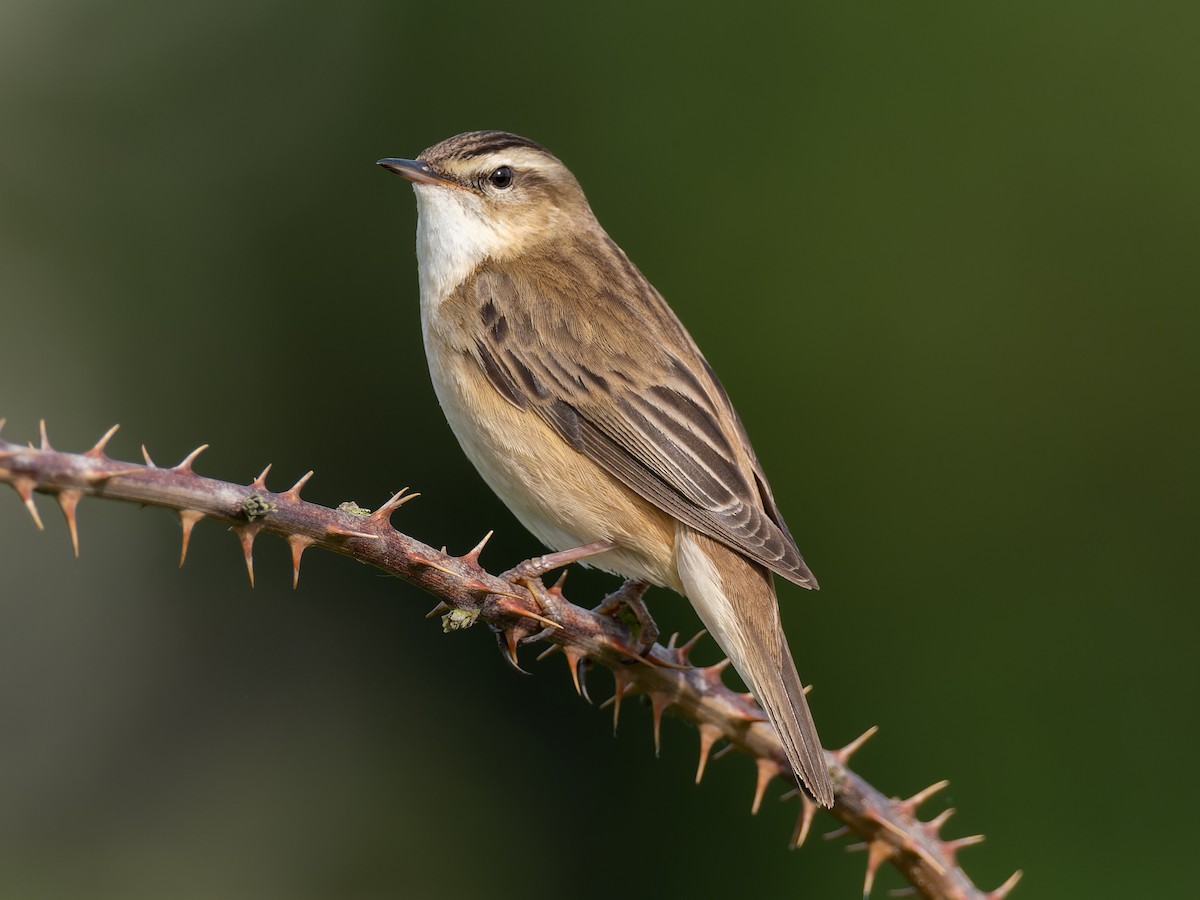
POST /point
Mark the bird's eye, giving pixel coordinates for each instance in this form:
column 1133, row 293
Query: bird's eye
column 502, row 178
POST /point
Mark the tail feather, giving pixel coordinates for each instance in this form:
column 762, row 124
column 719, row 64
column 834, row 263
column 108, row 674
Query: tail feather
column 735, row 598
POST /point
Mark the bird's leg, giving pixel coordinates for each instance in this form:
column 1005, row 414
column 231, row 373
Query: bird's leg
column 629, row 595
column 540, row 565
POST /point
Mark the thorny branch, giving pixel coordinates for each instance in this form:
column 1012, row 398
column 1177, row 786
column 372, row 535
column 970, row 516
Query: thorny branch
column 888, row 828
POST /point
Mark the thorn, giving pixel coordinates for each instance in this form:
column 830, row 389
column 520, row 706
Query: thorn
column 877, row 853
column 843, row 755
column 293, row 493
column 574, row 658
column 671, row 640
column 384, row 513
column 658, row 703
column 68, row 500
column 186, row 465
column 509, row 603
column 97, row 477
column 97, row 452
column 146, row 456
column 934, row 825
column 622, row 685
column 347, row 533
column 549, row 651
column 45, row 440
column 836, row 833
column 767, row 769
column 187, row 518
column 708, row 736
column 951, row 848
column 910, row 805
column 3, row 422
column 246, row 534
column 808, row 811
column 24, row 487
column 1005, row 889
column 299, row 543
column 261, row 481
column 909, row 891
column 471, row 557
column 713, row 673
column 557, row 587
column 510, row 640
column 686, row 649
column 807, row 689
column 442, row 607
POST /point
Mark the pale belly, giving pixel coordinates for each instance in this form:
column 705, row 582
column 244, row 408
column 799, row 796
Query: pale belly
column 560, row 495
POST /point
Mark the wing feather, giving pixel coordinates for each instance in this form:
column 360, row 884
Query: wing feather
column 660, row 421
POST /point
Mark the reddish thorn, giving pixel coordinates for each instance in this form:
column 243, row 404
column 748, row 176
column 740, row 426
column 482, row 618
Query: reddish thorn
column 934, row 825
column 510, row 604
column 383, row 514
column 261, row 481
column 442, row 607
column 843, row 755
column 686, row 649
column 186, row 464
column 708, row 736
column 808, row 811
column 1005, row 889
column 713, row 672
column 910, row 805
column 97, row 452
column 558, row 585
column 767, row 769
column 97, row 477
column 299, row 543
column 836, row 833
column 45, row 440
column 146, row 456
column 24, row 487
column 293, row 493
column 574, row 658
column 877, row 854
column 471, row 557
column 622, row 684
column 951, row 848
column 549, row 651
column 68, row 500
column 347, row 533
column 658, row 703
column 187, row 519
column 246, row 535
column 510, row 637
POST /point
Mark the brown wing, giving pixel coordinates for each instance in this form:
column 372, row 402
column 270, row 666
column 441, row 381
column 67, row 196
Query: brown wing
column 650, row 412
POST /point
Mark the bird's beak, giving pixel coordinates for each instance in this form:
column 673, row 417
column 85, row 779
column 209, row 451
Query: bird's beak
column 415, row 170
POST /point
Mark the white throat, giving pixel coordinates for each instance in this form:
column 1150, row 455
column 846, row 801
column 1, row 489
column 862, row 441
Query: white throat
column 453, row 238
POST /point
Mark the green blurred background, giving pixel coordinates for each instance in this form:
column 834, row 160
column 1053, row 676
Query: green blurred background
column 944, row 258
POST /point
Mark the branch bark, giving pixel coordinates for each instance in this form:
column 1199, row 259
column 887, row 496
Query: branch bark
column 888, row 827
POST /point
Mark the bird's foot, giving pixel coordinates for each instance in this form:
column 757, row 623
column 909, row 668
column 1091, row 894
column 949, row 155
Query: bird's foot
column 540, row 565
column 629, row 597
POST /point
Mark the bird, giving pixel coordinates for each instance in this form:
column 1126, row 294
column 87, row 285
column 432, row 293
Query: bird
column 588, row 408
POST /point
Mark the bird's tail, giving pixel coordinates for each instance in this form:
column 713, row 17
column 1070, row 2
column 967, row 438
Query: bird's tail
column 735, row 598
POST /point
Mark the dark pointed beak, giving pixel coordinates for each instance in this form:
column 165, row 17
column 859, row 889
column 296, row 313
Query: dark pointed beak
column 415, row 170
